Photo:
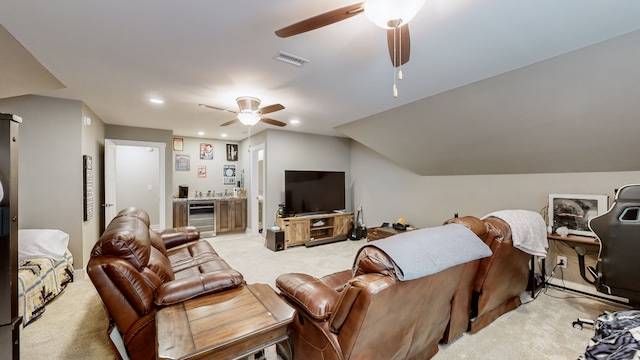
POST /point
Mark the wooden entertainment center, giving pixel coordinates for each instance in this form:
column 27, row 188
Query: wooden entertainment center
column 315, row 229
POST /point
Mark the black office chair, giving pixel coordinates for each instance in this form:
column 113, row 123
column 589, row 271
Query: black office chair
column 619, row 232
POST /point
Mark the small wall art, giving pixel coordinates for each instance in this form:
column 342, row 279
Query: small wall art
column 178, row 144
column 202, row 171
column 232, row 152
column 229, row 175
column 206, row 151
column 182, row 162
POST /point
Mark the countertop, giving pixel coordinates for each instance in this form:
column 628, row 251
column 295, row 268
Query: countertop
column 207, row 198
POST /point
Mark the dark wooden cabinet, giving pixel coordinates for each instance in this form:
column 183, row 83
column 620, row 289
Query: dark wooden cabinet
column 231, row 215
column 9, row 319
column 180, row 213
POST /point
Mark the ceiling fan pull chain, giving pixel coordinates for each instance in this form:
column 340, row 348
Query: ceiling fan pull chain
column 400, row 56
column 395, row 59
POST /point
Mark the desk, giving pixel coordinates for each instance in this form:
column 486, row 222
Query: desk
column 228, row 325
column 586, row 240
column 377, row 233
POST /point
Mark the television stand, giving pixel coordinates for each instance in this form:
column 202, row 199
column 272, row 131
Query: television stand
column 316, row 229
column 311, row 213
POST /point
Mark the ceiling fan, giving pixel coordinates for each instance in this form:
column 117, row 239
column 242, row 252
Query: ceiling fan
column 249, row 113
column 393, row 15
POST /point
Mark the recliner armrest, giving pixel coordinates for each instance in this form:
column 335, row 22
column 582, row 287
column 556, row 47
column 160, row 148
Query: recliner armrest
column 177, row 236
column 179, row 290
column 316, row 298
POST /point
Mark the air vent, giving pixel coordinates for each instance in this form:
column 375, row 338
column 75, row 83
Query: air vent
column 290, row 59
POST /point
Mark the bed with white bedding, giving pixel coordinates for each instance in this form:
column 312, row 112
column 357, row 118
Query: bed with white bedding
column 45, row 268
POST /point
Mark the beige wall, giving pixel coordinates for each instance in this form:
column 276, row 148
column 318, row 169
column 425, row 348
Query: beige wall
column 93, row 145
column 297, row 151
column 388, row 192
column 50, row 168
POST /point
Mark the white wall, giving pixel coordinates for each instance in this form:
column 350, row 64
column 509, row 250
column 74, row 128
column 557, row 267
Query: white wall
column 214, row 168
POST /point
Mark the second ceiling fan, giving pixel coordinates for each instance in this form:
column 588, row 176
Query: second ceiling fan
column 393, row 15
column 249, row 114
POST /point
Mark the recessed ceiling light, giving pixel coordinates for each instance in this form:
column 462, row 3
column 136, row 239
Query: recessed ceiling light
column 223, row 135
column 295, row 122
column 200, row 133
column 156, row 101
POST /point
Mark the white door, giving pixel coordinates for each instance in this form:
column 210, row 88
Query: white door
column 258, row 189
column 111, row 179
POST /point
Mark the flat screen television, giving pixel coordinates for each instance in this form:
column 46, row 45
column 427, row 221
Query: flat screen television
column 309, row 192
column 574, row 211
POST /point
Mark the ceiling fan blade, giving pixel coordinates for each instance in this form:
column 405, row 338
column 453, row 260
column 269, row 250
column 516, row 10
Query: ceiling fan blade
column 217, row 108
column 321, row 20
column 230, row 122
column 272, row 122
column 270, row 109
column 402, row 45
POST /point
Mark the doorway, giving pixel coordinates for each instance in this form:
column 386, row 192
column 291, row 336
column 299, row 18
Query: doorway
column 134, row 176
column 258, row 189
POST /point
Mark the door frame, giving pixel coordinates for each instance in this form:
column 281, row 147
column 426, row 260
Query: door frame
column 255, row 182
column 110, row 177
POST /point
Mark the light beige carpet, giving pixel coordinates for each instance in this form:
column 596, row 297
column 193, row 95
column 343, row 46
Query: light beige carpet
column 74, row 325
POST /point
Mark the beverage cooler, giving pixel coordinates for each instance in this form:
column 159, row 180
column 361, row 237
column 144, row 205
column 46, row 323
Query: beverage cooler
column 9, row 320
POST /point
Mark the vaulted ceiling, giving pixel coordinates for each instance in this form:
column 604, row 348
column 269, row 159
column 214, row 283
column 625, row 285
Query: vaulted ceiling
column 491, row 86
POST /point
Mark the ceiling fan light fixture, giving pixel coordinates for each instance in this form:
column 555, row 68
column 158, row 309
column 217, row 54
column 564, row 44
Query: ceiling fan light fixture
column 389, row 14
column 248, row 118
column 248, row 103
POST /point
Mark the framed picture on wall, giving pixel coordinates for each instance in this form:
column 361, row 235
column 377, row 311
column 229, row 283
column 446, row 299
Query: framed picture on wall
column 202, row 171
column 232, row 152
column 178, row 144
column 87, row 194
column 183, row 162
column 229, row 174
column 206, row 151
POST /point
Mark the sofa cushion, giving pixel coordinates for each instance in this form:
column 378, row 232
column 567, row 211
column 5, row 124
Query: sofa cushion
column 160, row 265
column 126, row 238
column 182, row 289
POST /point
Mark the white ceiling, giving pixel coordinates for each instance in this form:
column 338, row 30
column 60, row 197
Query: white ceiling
column 115, row 55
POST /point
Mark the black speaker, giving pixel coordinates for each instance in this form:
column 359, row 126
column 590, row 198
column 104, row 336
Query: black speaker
column 275, row 240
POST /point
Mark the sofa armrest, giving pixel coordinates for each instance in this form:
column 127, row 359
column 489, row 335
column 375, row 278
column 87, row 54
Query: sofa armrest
column 177, row 236
column 337, row 280
column 348, row 297
column 309, row 293
column 179, row 290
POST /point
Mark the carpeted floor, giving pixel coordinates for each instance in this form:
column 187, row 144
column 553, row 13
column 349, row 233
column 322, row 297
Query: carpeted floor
column 74, row 325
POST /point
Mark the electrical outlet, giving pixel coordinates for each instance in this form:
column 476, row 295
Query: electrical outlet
column 561, row 261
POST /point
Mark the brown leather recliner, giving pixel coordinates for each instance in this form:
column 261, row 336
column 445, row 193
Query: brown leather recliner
column 137, row 271
column 500, row 278
column 369, row 313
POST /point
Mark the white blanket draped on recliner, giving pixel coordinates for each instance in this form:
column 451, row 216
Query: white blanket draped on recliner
column 528, row 230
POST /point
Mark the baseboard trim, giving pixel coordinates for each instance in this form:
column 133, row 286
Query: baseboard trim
column 79, row 274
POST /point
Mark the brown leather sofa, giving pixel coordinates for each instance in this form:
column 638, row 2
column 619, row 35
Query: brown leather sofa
column 369, row 313
column 137, row 271
column 500, row 278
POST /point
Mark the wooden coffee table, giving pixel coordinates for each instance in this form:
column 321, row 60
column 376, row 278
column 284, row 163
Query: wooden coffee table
column 228, row 325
